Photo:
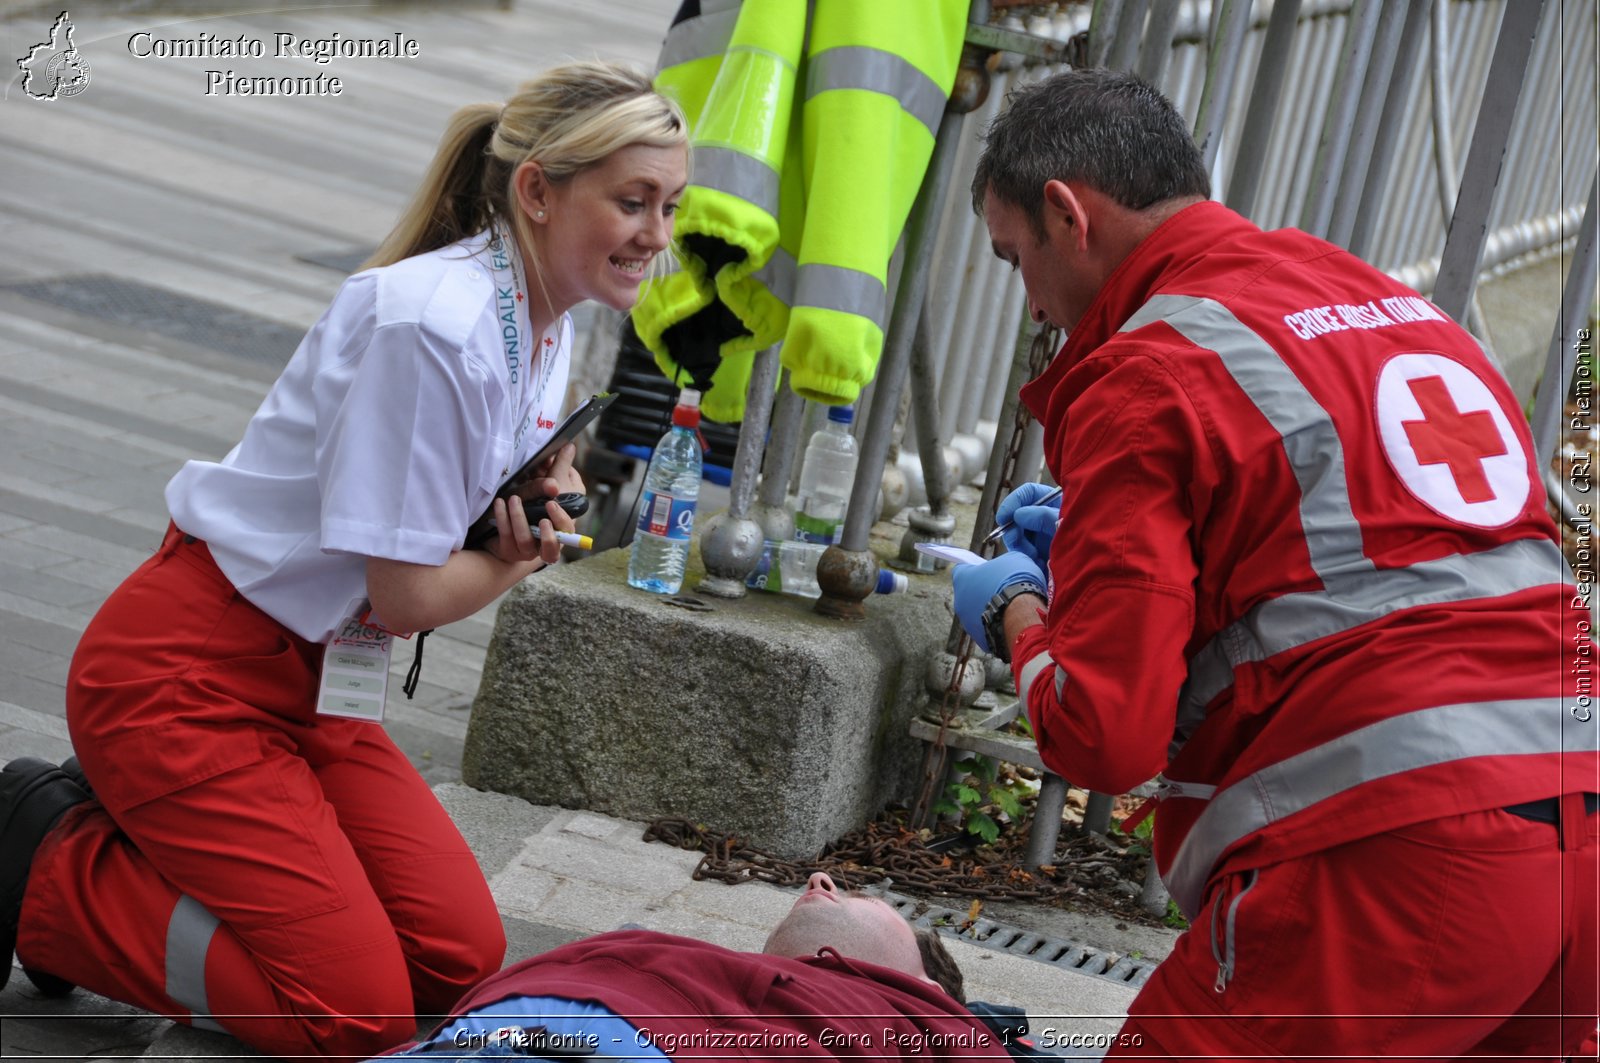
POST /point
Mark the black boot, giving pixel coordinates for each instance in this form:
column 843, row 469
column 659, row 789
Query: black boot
column 34, row 795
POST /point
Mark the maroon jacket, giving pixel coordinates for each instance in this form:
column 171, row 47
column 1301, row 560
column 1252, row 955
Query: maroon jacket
column 706, row 1002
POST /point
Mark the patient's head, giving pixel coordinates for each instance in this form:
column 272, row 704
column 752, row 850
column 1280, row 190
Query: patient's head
column 863, row 928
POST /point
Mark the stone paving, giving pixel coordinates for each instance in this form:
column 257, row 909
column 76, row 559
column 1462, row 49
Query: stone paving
column 214, row 211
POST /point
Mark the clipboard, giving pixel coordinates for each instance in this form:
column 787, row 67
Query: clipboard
column 565, row 432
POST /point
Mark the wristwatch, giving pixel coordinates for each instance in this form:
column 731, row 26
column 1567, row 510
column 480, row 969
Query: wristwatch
column 994, row 615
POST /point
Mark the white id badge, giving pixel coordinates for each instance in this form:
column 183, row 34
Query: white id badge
column 355, row 669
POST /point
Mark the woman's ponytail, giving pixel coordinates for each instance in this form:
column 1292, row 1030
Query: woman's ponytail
column 450, row 204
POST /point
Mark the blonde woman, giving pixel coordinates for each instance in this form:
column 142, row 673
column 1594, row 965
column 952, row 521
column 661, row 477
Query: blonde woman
column 257, row 854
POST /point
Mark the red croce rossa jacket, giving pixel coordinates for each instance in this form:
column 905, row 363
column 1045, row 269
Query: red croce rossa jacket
column 1304, row 569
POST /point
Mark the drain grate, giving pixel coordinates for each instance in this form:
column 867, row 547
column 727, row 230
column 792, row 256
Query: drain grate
column 212, row 326
column 1058, row 952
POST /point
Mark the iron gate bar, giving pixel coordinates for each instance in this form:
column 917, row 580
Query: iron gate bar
column 1224, row 64
column 1261, row 115
column 1156, row 53
column 1130, row 28
column 1374, row 89
column 1577, row 302
column 1469, row 225
column 1396, row 110
column 1338, row 124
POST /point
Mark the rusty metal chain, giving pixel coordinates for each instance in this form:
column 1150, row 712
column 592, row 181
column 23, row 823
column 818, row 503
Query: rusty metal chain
column 885, row 849
column 1040, row 352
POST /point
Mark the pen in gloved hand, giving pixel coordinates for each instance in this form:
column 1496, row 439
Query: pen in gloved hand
column 1001, row 529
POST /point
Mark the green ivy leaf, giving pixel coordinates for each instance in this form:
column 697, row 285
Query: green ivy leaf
column 984, row 827
column 1008, row 803
column 968, row 796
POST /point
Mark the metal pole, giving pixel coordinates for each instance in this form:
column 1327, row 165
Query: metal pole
column 1046, row 829
column 1103, row 18
column 1340, row 120
column 925, row 414
column 771, row 510
column 1130, row 27
column 1577, row 302
column 846, row 571
column 1220, row 71
column 1391, row 129
column 1469, row 225
column 730, row 546
column 1156, row 52
column 1262, row 111
column 1375, row 88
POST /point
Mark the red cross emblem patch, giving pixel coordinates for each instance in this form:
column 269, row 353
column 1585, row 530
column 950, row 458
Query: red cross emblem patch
column 1449, row 441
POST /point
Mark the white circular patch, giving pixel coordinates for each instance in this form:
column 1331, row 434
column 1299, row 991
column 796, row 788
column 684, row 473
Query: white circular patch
column 1450, row 442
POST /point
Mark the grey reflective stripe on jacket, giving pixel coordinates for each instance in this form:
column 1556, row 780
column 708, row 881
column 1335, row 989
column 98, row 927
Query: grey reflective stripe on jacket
column 840, row 288
column 875, row 70
column 1420, row 739
column 701, row 37
column 1354, row 591
column 189, row 933
column 738, row 174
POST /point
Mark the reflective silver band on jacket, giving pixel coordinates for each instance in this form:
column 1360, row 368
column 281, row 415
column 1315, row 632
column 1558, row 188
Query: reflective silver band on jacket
column 1354, row 591
column 848, row 291
column 875, row 70
column 702, row 37
column 738, row 174
column 1420, row 739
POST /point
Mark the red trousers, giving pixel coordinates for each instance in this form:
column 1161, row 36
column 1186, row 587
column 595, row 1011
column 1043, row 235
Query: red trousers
column 1472, row 936
column 247, row 863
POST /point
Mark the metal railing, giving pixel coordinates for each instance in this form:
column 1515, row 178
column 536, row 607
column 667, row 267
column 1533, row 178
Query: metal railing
column 1359, row 146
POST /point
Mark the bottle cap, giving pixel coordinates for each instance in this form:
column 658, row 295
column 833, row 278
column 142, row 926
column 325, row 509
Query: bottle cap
column 891, row 582
column 842, row 414
column 686, row 414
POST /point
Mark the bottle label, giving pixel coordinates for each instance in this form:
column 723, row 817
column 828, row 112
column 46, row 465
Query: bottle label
column 767, row 575
column 811, row 530
column 664, row 515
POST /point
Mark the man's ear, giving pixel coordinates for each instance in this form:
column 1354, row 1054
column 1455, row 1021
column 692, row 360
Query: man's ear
column 1064, row 211
column 532, row 191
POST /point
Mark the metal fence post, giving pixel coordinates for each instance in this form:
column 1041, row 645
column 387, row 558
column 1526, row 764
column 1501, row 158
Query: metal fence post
column 1340, row 120
column 1220, row 71
column 1259, row 116
column 1469, row 225
column 771, row 510
column 1374, row 89
column 846, row 571
column 1396, row 112
column 731, row 544
column 1577, row 302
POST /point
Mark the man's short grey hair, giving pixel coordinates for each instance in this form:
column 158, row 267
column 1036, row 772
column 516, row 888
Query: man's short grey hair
column 1103, row 128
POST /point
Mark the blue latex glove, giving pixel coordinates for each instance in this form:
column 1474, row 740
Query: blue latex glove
column 1033, row 525
column 976, row 584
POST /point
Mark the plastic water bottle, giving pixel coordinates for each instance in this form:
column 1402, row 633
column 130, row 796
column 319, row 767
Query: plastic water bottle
column 827, row 475
column 791, row 568
column 666, row 513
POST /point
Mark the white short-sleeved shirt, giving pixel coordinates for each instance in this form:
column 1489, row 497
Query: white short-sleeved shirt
column 386, row 436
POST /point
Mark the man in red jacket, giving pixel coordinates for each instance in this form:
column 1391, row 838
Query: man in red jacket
column 1305, row 573
column 842, row 975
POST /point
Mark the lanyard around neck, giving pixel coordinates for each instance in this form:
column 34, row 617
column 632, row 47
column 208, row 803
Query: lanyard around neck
column 511, row 307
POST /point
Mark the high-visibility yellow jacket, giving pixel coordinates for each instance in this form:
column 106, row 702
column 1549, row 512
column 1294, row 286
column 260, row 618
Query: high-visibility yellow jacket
column 804, row 169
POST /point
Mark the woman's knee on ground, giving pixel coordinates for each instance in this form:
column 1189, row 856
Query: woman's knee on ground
column 451, row 947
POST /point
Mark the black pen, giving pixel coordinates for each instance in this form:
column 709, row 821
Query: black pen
column 1001, row 529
